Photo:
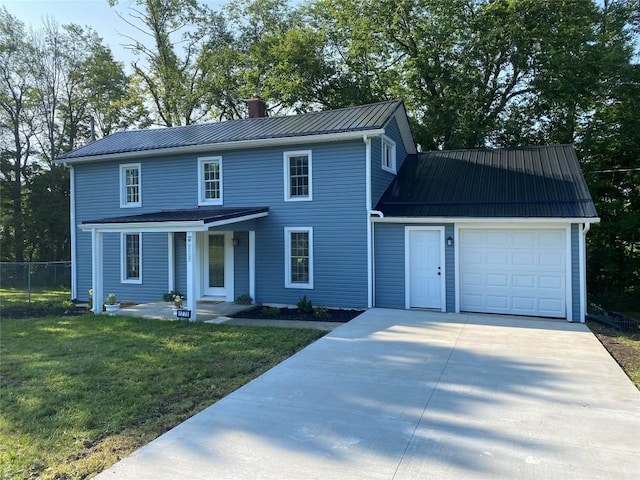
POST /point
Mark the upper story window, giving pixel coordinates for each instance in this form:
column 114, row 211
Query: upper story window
column 130, row 185
column 298, row 257
column 131, row 260
column 388, row 155
column 297, row 176
column 210, row 181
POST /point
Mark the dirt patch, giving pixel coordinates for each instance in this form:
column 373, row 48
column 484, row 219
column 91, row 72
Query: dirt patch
column 623, row 347
column 323, row 315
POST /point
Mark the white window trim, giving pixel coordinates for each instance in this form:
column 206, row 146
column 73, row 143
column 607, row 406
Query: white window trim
column 287, row 257
column 123, row 258
column 287, row 182
column 392, row 144
column 201, row 199
column 123, row 186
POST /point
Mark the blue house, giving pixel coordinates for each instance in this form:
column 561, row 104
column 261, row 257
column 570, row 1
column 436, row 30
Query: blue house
column 336, row 205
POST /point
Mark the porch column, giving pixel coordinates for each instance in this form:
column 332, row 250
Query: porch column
column 171, row 262
column 96, row 271
column 191, row 274
column 252, row 264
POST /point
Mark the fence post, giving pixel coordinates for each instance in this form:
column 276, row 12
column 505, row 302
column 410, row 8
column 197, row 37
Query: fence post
column 29, row 281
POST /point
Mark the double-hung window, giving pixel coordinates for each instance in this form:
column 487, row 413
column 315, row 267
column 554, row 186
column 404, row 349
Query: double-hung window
column 298, row 257
column 297, row 176
column 388, row 155
column 131, row 261
column 210, row 181
column 130, row 185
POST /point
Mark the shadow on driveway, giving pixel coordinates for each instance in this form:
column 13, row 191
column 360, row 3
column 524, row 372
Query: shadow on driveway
column 412, row 395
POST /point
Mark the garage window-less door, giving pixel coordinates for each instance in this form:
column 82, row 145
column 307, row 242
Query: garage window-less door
column 513, row 271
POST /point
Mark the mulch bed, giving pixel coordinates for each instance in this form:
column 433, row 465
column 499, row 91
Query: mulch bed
column 267, row 313
column 626, row 355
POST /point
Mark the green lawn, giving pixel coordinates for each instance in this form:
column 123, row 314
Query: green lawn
column 17, row 295
column 78, row 393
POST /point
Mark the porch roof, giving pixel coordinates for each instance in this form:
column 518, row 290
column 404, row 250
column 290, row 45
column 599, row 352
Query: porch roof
column 195, row 219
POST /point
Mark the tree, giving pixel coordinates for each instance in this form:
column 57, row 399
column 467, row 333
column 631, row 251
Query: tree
column 175, row 80
column 17, row 130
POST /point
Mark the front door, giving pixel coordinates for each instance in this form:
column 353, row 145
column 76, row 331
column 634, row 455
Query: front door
column 215, row 265
column 425, row 269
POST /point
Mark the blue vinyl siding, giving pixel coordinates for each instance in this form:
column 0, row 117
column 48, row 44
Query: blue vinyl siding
column 380, row 179
column 389, row 248
column 180, row 262
column 241, row 262
column 450, row 268
column 389, row 265
column 575, row 272
column 251, row 178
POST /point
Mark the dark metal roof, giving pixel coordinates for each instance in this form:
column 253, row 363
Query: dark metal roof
column 511, row 182
column 200, row 214
column 353, row 119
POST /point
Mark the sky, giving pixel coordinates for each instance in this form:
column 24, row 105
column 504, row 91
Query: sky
column 95, row 13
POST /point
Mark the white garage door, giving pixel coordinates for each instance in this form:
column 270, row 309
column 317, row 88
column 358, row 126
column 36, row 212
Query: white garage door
column 517, row 272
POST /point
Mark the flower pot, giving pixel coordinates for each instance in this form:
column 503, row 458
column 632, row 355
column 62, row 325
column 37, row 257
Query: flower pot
column 112, row 309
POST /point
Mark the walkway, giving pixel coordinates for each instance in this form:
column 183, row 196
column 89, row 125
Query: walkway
column 409, row 395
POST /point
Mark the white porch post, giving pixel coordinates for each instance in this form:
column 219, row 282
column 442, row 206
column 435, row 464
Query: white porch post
column 171, row 262
column 191, row 274
column 96, row 271
column 252, row 264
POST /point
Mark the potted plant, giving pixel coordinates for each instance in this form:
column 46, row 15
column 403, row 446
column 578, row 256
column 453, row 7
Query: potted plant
column 111, row 304
column 178, row 300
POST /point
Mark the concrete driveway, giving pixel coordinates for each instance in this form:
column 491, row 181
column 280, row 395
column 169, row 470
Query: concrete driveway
column 413, row 395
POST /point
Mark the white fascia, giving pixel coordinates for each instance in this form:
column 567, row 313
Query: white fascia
column 194, row 226
column 484, row 220
column 237, row 145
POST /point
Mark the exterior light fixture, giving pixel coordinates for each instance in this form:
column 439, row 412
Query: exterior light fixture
column 449, row 241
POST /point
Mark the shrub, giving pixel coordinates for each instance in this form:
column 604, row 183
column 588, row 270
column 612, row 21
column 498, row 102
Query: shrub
column 168, row 297
column 305, row 305
column 244, row 300
column 37, row 309
column 320, row 312
column 271, row 311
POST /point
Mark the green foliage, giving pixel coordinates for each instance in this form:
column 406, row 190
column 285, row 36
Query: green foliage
column 244, row 299
column 36, row 309
column 304, row 305
column 168, row 297
column 79, row 393
column 320, row 312
column 111, row 299
column 271, row 311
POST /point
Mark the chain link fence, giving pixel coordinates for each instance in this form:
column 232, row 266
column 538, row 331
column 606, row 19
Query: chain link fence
column 31, row 280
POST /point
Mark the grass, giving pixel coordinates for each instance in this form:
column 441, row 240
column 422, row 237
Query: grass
column 79, row 393
column 48, row 294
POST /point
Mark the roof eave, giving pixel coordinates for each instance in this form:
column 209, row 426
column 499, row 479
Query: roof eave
column 445, row 219
column 234, row 145
column 169, row 226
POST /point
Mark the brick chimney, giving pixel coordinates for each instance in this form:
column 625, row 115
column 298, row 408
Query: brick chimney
column 257, row 107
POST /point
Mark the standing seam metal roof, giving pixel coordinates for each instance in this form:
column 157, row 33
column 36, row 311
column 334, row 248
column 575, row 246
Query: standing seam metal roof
column 540, row 181
column 352, row 119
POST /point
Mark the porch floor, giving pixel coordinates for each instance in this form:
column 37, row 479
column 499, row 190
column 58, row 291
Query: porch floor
column 205, row 311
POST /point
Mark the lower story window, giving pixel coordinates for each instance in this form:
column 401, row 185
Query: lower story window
column 131, row 258
column 299, row 257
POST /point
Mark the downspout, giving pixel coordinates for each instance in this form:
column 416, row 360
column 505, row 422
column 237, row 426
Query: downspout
column 583, row 266
column 367, row 156
column 72, row 231
column 370, row 257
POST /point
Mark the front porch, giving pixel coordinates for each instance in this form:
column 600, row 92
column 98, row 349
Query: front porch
column 206, row 254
